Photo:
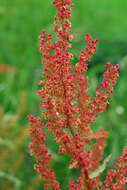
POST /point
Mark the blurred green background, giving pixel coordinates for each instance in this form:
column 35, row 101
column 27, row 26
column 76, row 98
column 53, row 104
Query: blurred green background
column 21, row 21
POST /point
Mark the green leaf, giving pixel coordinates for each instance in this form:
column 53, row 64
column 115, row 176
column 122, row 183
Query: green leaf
column 101, row 168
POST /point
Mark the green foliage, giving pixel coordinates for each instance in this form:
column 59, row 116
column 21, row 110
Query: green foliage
column 20, row 24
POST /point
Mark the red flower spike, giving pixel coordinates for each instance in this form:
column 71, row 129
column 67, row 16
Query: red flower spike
column 69, row 110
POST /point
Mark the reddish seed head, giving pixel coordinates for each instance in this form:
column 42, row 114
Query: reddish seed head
column 107, row 64
column 96, row 41
column 43, row 31
column 50, row 36
column 41, row 82
column 97, row 89
column 117, row 66
column 72, row 5
column 46, row 186
column 40, row 36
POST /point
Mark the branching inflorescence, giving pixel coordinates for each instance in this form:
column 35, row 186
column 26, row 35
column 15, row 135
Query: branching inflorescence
column 69, row 111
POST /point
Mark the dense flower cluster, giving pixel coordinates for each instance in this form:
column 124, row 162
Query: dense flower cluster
column 68, row 109
column 42, row 156
column 117, row 178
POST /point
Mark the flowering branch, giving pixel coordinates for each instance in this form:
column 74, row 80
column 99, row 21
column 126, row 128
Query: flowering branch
column 68, row 108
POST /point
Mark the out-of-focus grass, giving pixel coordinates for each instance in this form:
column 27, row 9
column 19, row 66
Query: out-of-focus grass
column 21, row 22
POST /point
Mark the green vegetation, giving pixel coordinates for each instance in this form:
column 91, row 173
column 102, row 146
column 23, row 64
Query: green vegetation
column 21, row 22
